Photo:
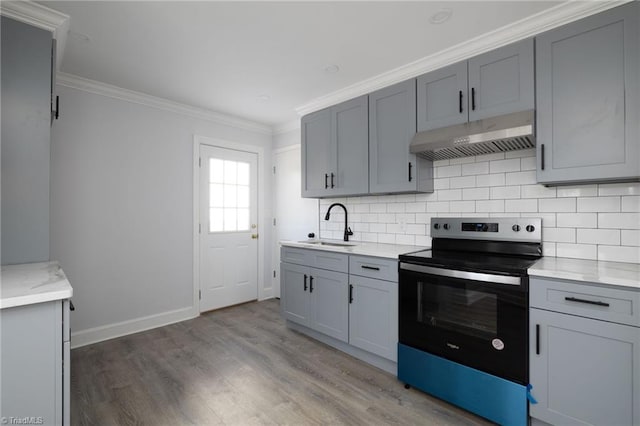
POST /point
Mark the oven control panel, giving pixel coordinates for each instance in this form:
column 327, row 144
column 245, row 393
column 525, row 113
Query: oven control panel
column 504, row 229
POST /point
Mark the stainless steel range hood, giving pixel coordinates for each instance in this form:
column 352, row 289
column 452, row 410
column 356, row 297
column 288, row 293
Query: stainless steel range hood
column 497, row 134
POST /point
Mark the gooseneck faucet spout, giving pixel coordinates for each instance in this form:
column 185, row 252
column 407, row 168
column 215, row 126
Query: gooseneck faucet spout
column 347, row 230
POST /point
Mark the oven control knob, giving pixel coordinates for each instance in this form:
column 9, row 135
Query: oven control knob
column 530, row 228
column 446, row 226
column 516, row 228
column 436, row 226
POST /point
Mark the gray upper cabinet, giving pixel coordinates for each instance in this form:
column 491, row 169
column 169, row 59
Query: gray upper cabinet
column 26, row 127
column 501, row 81
column 442, row 97
column 351, row 148
column 335, row 150
column 392, row 124
column 588, row 96
column 494, row 83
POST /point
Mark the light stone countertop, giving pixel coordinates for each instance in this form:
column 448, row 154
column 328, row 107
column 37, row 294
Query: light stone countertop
column 389, row 251
column 30, row 283
column 600, row 272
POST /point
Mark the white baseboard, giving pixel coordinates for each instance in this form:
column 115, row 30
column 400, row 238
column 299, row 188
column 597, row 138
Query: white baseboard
column 106, row 332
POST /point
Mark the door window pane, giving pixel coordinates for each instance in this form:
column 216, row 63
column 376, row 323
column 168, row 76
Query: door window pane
column 229, row 195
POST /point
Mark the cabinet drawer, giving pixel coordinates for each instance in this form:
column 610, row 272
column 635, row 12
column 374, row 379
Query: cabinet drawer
column 321, row 259
column 374, row 267
column 296, row 255
column 587, row 300
column 330, row 260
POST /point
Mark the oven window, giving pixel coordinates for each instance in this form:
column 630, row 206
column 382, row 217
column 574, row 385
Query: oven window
column 458, row 309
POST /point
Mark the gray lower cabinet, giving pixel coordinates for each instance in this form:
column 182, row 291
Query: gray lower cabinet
column 497, row 82
column 583, row 365
column 392, row 125
column 335, row 150
column 26, row 125
column 373, row 316
column 359, row 308
column 588, row 99
column 35, row 363
column 316, row 298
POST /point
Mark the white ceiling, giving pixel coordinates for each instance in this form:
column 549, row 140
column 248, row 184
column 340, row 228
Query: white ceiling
column 225, row 56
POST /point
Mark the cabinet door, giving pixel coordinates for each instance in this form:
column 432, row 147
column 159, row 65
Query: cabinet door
column 584, row 371
column 349, row 171
column 588, row 94
column 295, row 296
column 501, row 81
column 329, row 303
column 373, row 316
column 316, row 153
column 392, row 125
column 442, row 97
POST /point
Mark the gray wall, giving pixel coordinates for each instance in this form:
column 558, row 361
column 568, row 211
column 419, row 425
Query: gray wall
column 121, row 205
column 26, row 89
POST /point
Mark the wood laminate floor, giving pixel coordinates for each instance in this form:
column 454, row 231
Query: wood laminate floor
column 240, row 366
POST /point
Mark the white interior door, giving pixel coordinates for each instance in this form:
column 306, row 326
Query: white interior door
column 229, row 231
column 295, row 216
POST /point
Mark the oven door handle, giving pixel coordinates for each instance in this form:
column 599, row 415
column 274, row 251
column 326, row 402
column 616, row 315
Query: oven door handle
column 464, row 275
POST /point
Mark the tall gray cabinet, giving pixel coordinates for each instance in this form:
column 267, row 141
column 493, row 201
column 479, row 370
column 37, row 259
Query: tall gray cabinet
column 494, row 83
column 26, row 122
column 392, row 125
column 588, row 99
column 335, row 150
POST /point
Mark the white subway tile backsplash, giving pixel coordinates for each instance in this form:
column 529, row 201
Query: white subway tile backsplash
column 438, row 207
column 598, row 204
column 475, row 168
column 521, row 178
column 577, row 251
column 442, row 183
column 461, row 160
column 521, row 205
column 577, row 220
column 557, row 205
column 499, row 166
column 580, row 221
column 495, row 206
column 416, row 207
column 619, row 254
column 619, row 189
column 448, row 171
column 450, row 194
column 528, row 163
column 578, row 191
column 475, row 194
column 537, row 191
column 462, row 206
column 496, row 179
column 630, row 237
column 504, row 192
column 462, row 182
column 559, row 235
column 598, row 236
column 631, row 203
column 619, row 220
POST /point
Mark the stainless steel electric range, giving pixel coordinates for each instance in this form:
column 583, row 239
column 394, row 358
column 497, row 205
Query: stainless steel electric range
column 463, row 314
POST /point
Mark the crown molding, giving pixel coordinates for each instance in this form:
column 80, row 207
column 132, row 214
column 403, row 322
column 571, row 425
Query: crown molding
column 42, row 17
column 551, row 18
column 283, row 128
column 104, row 89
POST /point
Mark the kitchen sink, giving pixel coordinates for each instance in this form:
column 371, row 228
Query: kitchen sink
column 329, row 243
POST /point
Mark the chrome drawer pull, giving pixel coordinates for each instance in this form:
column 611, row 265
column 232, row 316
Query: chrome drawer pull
column 590, row 302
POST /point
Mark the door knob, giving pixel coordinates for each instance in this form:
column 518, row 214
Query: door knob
column 254, row 236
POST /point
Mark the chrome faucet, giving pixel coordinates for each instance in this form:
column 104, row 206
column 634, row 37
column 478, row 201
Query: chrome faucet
column 347, row 230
